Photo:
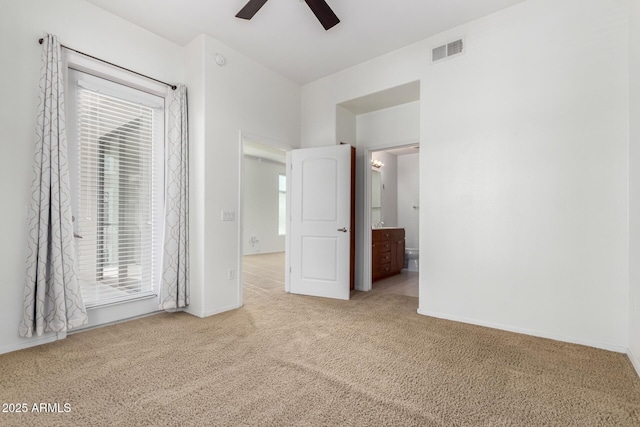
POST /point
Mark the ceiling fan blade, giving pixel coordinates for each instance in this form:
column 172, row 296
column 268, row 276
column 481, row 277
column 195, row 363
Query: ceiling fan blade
column 323, row 12
column 250, row 9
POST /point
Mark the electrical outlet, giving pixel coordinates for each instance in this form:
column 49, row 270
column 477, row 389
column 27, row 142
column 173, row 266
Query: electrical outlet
column 230, row 274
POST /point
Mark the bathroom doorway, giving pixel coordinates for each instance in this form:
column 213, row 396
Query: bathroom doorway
column 376, row 123
column 394, row 206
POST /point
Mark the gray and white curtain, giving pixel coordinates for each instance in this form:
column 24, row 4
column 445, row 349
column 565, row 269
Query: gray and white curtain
column 52, row 298
column 174, row 288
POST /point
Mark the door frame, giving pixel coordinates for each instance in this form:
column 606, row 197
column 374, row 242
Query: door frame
column 367, row 283
column 274, row 143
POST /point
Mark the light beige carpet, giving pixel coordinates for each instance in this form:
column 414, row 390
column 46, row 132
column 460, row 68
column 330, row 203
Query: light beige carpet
column 287, row 360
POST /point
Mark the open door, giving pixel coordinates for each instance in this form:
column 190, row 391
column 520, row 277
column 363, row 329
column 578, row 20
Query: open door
column 320, row 245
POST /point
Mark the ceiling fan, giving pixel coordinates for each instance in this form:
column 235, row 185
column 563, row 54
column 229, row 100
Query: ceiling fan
column 319, row 7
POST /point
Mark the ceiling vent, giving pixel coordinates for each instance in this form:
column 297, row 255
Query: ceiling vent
column 447, row 50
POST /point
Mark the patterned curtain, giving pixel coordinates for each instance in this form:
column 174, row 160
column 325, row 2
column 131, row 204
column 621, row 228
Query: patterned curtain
column 174, row 289
column 52, row 299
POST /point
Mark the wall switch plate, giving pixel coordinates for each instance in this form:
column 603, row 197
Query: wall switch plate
column 228, row 215
column 230, row 274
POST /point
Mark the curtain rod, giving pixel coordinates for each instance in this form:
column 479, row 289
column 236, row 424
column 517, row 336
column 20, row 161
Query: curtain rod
column 172, row 86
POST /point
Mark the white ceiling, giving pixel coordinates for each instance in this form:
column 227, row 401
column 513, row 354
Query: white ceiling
column 286, row 37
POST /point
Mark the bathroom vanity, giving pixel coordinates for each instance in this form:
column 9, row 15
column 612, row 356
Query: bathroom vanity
column 387, row 255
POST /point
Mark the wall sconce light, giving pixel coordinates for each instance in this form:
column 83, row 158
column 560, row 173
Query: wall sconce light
column 376, row 163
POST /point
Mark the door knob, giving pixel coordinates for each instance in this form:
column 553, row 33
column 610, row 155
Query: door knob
column 343, row 229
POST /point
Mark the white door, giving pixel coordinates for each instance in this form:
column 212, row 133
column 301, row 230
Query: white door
column 320, row 219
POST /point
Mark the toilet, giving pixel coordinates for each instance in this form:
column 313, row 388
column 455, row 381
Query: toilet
column 411, row 259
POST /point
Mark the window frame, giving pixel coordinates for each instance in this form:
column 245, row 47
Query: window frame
column 282, row 226
column 81, row 71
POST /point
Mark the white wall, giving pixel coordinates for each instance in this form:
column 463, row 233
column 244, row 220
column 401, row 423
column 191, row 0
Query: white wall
column 391, row 127
column 634, row 185
column 262, row 206
column 80, row 25
column 524, row 212
column 240, row 96
column 195, row 80
column 525, row 174
column 345, row 126
column 408, row 197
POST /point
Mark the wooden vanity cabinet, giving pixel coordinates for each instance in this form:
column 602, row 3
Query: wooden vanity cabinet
column 387, row 255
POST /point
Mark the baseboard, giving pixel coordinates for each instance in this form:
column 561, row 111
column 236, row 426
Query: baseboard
column 525, row 331
column 30, row 342
column 114, row 322
column 634, row 361
column 263, row 253
column 33, row 342
column 203, row 314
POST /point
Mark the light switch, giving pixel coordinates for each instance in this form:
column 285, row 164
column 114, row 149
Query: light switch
column 228, row 216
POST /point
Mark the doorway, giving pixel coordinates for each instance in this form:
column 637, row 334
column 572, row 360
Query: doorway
column 378, row 121
column 393, row 198
column 262, row 214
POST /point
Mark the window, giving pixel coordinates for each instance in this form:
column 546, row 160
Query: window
column 282, row 205
column 117, row 163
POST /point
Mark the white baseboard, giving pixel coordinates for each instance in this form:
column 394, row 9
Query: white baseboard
column 634, row 361
column 31, row 342
column 525, row 331
column 203, row 314
column 114, row 322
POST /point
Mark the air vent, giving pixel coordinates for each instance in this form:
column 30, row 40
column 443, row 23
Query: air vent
column 439, row 53
column 447, row 50
column 454, row 48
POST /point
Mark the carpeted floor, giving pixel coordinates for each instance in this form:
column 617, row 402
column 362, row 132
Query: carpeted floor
column 288, row 360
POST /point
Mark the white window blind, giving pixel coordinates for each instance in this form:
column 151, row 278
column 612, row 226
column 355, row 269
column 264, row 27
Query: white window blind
column 119, row 190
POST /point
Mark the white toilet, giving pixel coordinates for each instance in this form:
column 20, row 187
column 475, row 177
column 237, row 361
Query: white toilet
column 411, row 259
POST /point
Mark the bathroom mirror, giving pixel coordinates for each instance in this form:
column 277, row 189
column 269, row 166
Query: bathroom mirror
column 375, row 197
